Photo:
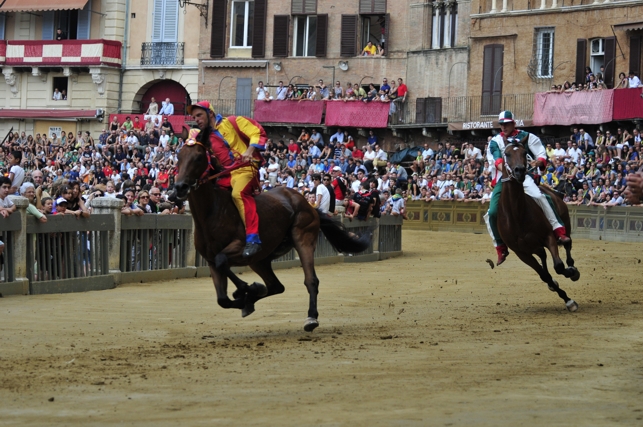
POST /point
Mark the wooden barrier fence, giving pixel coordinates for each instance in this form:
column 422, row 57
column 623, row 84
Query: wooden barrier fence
column 617, row 224
column 69, row 254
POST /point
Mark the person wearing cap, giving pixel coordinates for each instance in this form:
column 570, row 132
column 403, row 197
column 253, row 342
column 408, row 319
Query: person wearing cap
column 495, row 155
column 339, row 184
column 232, row 140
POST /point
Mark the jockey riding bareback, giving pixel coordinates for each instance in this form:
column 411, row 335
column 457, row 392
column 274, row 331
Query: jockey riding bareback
column 495, row 156
column 235, row 140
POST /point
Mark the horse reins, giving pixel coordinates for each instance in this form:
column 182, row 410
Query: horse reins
column 205, row 177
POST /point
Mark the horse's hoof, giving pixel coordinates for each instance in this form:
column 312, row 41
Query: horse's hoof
column 258, row 290
column 247, row 310
column 310, row 324
column 571, row 305
column 238, row 294
column 576, row 275
column 551, row 288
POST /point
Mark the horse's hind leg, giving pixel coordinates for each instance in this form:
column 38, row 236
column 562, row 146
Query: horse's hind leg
column 546, row 277
column 570, row 262
column 219, row 272
column 257, row 291
column 305, row 245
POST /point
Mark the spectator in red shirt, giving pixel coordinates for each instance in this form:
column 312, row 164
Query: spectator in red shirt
column 293, row 147
column 340, row 185
column 137, row 124
column 163, row 178
column 357, row 153
column 402, row 90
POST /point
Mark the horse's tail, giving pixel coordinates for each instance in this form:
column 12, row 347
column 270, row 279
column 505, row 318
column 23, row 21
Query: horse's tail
column 340, row 238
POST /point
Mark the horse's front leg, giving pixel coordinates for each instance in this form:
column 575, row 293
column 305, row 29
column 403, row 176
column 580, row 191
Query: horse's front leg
column 219, row 271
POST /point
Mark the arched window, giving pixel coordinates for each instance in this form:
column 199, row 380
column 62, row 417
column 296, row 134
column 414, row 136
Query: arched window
column 444, row 25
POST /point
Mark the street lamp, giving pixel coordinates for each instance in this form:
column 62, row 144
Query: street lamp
column 296, row 77
column 203, row 8
column 360, row 82
column 451, row 69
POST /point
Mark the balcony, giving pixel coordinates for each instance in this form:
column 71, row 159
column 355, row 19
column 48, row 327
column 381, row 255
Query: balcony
column 60, row 53
column 162, row 54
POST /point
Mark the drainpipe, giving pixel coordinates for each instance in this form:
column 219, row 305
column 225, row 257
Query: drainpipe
column 123, row 58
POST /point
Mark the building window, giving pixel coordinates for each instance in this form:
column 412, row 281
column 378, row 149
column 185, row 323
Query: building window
column 242, row 23
column 305, row 35
column 444, row 25
column 59, row 88
column 597, row 55
column 545, row 52
column 165, row 24
column 492, row 79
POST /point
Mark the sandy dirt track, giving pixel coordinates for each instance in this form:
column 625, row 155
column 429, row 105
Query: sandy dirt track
column 432, row 338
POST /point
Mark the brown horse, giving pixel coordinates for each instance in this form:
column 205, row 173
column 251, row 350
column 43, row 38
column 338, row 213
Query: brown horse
column 286, row 220
column 524, row 227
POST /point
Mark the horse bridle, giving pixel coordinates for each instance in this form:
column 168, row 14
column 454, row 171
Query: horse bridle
column 510, row 171
column 205, row 176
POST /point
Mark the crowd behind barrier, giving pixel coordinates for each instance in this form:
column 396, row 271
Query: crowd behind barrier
column 70, row 254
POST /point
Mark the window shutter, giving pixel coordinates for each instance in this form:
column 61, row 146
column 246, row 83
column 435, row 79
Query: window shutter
column 348, row 43
column 492, row 79
column 259, row 30
column 157, row 21
column 310, row 7
column 170, row 21
column 218, row 34
column 581, row 60
column 610, row 55
column 297, row 7
column 280, row 36
column 420, row 104
column 84, row 21
column 2, row 25
column 48, row 25
column 379, row 6
column 322, row 36
column 635, row 54
column 372, row 6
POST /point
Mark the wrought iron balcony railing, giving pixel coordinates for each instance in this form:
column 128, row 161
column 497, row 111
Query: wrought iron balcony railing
column 162, row 53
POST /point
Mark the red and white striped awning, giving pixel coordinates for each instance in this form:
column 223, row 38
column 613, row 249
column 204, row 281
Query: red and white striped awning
column 40, row 5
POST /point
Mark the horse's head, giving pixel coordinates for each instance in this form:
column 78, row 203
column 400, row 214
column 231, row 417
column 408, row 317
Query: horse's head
column 516, row 161
column 193, row 163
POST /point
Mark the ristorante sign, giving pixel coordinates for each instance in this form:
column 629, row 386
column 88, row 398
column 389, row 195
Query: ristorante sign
column 491, row 124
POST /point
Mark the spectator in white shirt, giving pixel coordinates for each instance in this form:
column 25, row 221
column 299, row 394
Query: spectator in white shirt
column 574, row 153
column 338, row 137
column 281, row 91
column 58, row 96
column 559, row 152
column 634, row 80
column 164, row 139
column 262, row 93
column 322, row 195
column 473, row 152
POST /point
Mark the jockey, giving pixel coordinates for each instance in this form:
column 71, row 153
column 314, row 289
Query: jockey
column 235, row 140
column 495, row 155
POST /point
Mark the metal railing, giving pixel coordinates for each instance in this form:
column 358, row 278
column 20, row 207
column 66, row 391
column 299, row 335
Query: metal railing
column 162, row 53
column 67, row 248
column 390, row 234
column 154, row 242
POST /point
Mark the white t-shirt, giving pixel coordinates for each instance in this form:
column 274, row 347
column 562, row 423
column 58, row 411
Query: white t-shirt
column 6, row 203
column 18, row 175
column 559, row 152
column 281, row 93
column 262, row 93
column 370, row 155
column 634, row 81
column 575, row 154
column 324, row 204
column 163, row 140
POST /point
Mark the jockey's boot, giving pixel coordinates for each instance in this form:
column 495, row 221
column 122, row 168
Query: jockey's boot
column 503, row 252
column 560, row 233
column 251, row 249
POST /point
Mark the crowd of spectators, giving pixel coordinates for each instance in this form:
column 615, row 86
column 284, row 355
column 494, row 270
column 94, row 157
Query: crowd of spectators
column 387, row 92
column 595, row 82
column 136, row 162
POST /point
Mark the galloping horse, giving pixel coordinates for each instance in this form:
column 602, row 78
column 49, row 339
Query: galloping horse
column 286, row 220
column 524, row 227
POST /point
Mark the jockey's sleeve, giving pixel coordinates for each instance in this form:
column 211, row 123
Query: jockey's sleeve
column 254, row 132
column 495, row 150
column 537, row 149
